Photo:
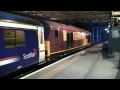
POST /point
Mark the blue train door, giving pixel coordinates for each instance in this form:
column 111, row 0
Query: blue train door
column 41, row 44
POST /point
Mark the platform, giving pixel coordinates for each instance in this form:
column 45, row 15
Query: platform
column 91, row 63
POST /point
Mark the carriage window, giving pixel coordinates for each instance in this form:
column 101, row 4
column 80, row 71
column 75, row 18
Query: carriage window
column 20, row 38
column 14, row 38
column 56, row 33
column 9, row 38
column 41, row 37
column 80, row 36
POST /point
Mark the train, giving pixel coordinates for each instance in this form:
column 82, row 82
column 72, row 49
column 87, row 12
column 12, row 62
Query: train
column 25, row 42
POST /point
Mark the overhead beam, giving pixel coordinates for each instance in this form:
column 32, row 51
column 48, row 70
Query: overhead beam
column 67, row 15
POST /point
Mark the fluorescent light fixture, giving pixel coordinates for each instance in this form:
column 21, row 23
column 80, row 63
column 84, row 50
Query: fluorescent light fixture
column 54, row 18
column 106, row 29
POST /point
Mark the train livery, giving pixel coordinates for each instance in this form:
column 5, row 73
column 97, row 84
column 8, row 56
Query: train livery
column 63, row 39
column 25, row 42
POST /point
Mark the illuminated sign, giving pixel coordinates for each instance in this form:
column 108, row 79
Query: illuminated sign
column 115, row 13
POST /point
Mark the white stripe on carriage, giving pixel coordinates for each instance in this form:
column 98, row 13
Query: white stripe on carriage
column 16, row 25
column 12, row 60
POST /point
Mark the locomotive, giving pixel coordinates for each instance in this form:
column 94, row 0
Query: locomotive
column 25, row 42
column 61, row 39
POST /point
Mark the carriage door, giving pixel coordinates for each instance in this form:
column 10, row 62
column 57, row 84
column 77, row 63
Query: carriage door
column 41, row 44
column 69, row 40
column 58, row 39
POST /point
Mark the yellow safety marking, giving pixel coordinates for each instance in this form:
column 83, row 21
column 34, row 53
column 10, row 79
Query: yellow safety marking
column 66, row 50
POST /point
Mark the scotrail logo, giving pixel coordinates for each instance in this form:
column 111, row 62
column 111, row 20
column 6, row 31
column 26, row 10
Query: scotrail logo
column 30, row 55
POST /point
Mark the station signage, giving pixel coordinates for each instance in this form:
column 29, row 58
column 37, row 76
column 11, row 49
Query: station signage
column 115, row 13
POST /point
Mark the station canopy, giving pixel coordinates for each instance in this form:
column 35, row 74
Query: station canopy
column 81, row 16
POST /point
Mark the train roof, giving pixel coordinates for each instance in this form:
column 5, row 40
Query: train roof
column 50, row 23
column 81, row 29
column 17, row 18
column 56, row 24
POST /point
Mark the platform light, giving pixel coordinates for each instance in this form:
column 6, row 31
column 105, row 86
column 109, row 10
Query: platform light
column 53, row 18
column 108, row 31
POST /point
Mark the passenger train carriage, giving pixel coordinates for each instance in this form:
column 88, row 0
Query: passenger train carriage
column 19, row 47
column 25, row 42
column 63, row 39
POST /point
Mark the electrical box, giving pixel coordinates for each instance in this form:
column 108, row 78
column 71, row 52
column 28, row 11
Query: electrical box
column 115, row 39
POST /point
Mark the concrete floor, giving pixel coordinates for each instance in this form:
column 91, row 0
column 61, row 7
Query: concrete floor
column 92, row 63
